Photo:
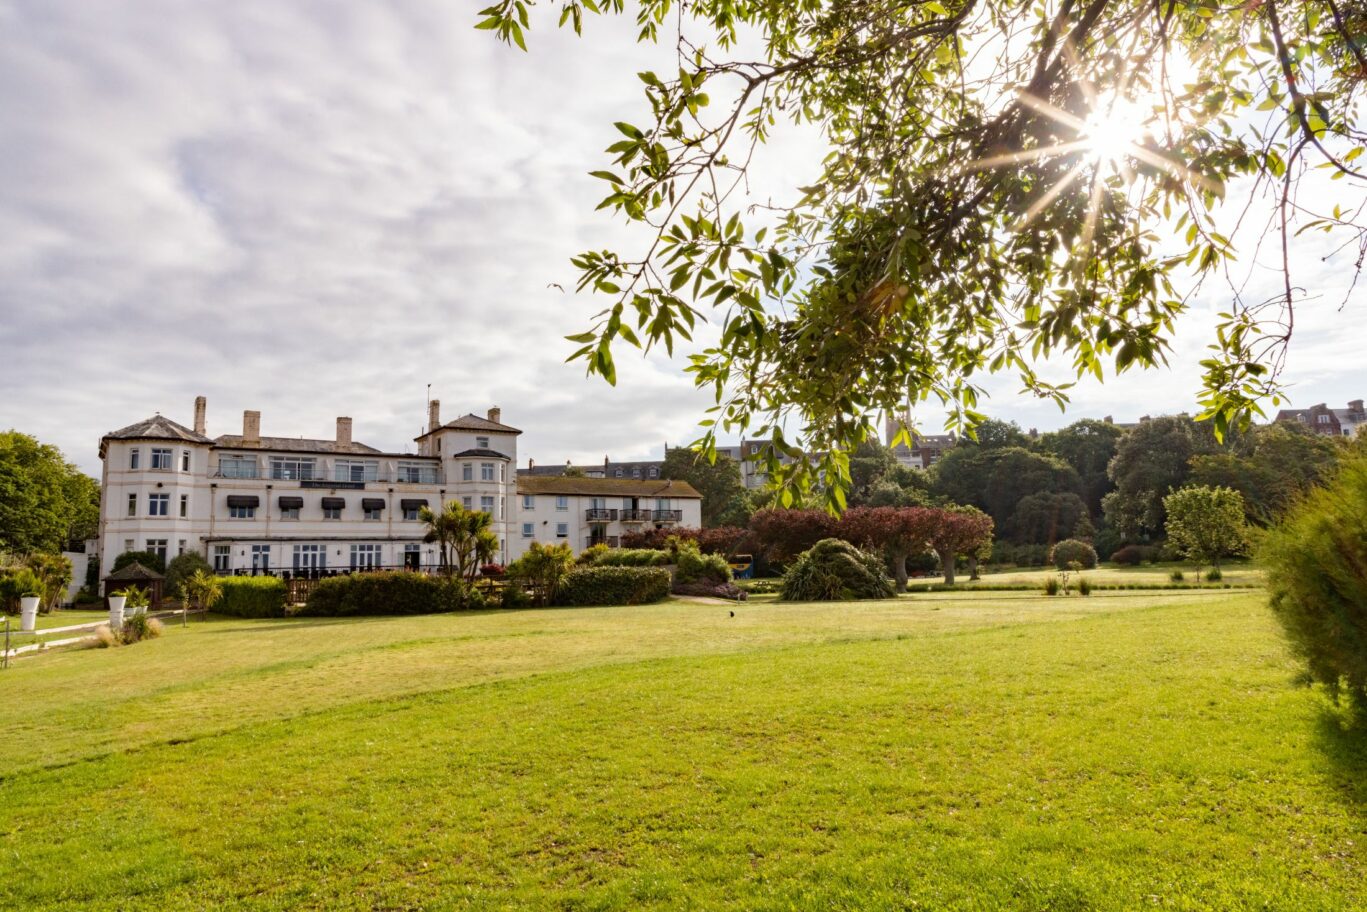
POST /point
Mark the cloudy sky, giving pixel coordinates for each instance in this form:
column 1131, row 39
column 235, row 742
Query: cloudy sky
column 316, row 209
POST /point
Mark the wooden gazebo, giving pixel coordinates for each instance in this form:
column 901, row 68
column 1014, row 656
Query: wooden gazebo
column 135, row 574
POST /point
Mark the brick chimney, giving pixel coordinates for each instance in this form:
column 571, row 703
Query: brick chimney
column 201, row 406
column 343, row 432
column 531, row 463
column 496, row 415
column 251, row 428
column 1356, row 406
column 433, row 415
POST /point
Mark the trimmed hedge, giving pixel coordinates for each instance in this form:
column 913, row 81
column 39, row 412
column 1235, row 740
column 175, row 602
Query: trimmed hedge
column 252, row 597
column 1072, row 551
column 631, row 557
column 613, row 586
column 397, row 592
column 696, row 567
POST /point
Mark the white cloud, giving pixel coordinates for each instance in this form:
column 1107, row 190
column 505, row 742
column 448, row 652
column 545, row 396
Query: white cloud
column 316, row 209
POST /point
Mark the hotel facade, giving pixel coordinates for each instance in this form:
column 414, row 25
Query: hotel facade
column 251, row 503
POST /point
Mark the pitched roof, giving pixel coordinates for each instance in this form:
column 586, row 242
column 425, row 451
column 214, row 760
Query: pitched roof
column 475, row 423
column 560, row 484
column 481, row 451
column 134, row 571
column 294, row 445
column 158, row 427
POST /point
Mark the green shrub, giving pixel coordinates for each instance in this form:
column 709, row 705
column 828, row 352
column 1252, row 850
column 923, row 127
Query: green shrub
column 16, row 583
column 1129, row 556
column 1316, row 560
column 180, row 569
column 1213, row 575
column 760, row 586
column 1052, row 586
column 1073, row 551
column 835, row 570
column 1084, row 586
column 387, row 593
column 1177, row 576
column 631, row 557
column 613, row 586
column 146, row 558
column 542, row 568
column 137, row 628
column 252, row 597
column 696, row 567
column 513, row 595
column 591, row 554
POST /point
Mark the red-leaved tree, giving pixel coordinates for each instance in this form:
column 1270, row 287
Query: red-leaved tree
column 959, row 530
column 785, row 533
column 899, row 532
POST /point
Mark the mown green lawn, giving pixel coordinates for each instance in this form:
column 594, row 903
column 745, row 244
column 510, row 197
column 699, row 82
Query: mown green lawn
column 64, row 618
column 1236, row 574
column 1000, row 751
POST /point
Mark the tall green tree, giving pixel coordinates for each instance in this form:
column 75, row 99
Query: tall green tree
column 1003, row 181
column 996, row 480
column 45, row 501
column 725, row 501
column 1206, row 524
column 464, row 538
column 1282, row 463
column 1088, row 446
column 1152, row 461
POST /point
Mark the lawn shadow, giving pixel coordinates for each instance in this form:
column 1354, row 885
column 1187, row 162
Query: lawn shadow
column 1344, row 745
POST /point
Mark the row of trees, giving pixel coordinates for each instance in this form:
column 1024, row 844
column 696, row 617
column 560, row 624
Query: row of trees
column 46, row 502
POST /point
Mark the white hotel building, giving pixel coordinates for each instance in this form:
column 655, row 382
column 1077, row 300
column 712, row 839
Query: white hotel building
column 252, row 504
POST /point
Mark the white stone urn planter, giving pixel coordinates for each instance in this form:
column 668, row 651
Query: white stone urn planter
column 116, row 603
column 28, row 613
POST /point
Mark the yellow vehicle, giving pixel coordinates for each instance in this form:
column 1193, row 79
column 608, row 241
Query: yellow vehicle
column 742, row 566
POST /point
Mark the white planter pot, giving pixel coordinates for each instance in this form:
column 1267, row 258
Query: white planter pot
column 28, row 613
column 116, row 603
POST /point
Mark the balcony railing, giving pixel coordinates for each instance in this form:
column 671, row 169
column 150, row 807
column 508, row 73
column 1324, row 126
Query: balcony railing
column 636, row 515
column 237, row 471
column 599, row 514
column 320, row 480
column 612, row 541
column 668, row 516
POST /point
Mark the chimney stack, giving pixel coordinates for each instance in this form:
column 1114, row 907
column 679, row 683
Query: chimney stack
column 201, row 405
column 531, row 463
column 343, row 432
column 251, row 429
column 1356, row 406
column 433, row 415
column 496, row 415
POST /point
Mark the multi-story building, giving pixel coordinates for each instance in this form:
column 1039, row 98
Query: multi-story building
column 1333, row 422
column 586, row 511
column 249, row 502
column 925, row 449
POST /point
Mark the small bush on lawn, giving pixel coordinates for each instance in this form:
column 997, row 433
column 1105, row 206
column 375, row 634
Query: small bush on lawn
column 1084, row 586
column 135, row 629
column 613, row 586
column 389, row 593
column 180, row 569
column 630, row 557
column 1316, row 560
column 711, row 589
column 835, row 570
column 1072, row 551
column 542, row 568
column 761, row 586
column 1052, row 586
column 1177, row 576
column 1213, row 575
column 1129, row 556
column 252, row 597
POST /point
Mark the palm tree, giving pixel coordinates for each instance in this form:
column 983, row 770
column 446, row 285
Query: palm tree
column 464, row 538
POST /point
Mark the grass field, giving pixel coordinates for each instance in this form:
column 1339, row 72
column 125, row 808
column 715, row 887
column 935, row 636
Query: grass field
column 995, row 751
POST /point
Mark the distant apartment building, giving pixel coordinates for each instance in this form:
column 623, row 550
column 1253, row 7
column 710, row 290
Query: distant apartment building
column 1333, row 422
column 925, row 449
column 251, row 503
column 751, row 470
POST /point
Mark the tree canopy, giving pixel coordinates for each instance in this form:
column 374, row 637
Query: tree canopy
column 725, row 501
column 45, row 501
column 1004, row 182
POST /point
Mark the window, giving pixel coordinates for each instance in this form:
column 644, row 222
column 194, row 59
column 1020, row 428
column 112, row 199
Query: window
column 133, row 456
column 616, row 473
column 365, row 557
column 412, row 556
column 562, row 502
column 373, row 513
column 158, row 547
column 356, row 470
column 486, row 471
column 529, row 501
column 237, row 467
column 482, row 443
column 1322, row 419
column 223, row 555
column 242, row 512
column 128, row 544
column 184, row 505
column 635, row 471
column 410, row 514
column 467, row 471
column 180, row 547
column 132, row 507
column 417, row 473
column 562, row 530
column 261, row 558
column 332, row 512
column 161, row 458
column 467, row 503
column 289, row 512
column 294, row 468
column 662, row 503
column 185, row 460
column 528, row 530
column 486, row 503
column 654, row 472
column 310, row 557
column 158, row 504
